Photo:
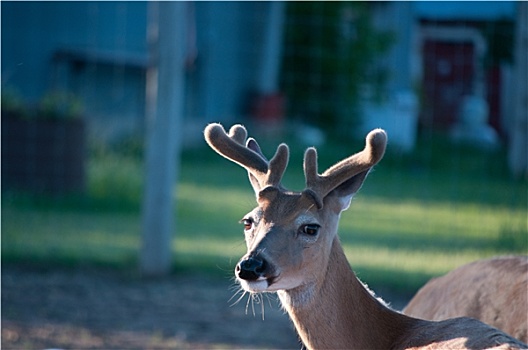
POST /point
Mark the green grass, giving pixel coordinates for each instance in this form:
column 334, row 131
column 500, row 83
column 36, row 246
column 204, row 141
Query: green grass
column 416, row 217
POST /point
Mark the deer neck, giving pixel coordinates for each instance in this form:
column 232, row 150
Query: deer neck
column 339, row 312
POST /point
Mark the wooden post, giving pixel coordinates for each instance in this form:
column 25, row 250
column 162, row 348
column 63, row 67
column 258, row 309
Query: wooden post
column 165, row 84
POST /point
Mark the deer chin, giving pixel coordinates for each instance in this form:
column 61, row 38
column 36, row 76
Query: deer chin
column 262, row 284
column 269, row 284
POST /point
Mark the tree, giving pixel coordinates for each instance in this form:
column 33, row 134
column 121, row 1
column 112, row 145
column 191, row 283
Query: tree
column 330, row 57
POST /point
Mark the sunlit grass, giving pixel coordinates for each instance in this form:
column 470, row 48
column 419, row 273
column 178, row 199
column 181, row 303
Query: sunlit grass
column 204, row 236
column 448, row 226
column 69, row 237
column 404, row 243
column 408, row 224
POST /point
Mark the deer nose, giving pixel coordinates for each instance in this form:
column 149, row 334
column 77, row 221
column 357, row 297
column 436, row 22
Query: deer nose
column 250, row 269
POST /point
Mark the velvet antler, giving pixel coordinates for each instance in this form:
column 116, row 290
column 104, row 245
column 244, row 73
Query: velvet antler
column 262, row 173
column 319, row 186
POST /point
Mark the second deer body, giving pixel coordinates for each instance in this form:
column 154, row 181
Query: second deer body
column 294, row 250
column 494, row 291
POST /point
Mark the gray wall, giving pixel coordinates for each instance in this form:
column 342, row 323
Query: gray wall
column 228, row 41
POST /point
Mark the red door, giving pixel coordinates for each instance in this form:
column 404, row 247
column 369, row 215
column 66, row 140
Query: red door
column 449, row 70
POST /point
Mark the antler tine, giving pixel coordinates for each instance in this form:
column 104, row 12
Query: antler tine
column 235, row 151
column 278, row 164
column 322, row 185
column 238, row 133
column 261, row 172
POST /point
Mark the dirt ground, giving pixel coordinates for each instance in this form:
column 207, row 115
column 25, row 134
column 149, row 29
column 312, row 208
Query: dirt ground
column 100, row 308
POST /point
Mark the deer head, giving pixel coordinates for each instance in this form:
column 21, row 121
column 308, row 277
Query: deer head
column 289, row 234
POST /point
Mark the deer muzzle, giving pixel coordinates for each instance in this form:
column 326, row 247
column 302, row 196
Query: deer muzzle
column 255, row 274
column 251, row 268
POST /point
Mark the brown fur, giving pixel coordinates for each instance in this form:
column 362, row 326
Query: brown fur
column 494, row 291
column 330, row 307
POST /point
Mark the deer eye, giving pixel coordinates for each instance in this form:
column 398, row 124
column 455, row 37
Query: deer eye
column 248, row 223
column 310, row 229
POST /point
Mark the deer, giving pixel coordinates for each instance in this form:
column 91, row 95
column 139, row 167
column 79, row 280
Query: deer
column 293, row 250
column 493, row 290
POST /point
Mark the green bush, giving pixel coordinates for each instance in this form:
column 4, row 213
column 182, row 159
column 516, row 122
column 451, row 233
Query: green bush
column 330, row 57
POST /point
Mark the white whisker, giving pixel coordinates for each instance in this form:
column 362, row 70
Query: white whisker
column 247, row 303
column 269, row 299
column 253, row 303
column 235, row 287
column 241, row 292
column 262, row 305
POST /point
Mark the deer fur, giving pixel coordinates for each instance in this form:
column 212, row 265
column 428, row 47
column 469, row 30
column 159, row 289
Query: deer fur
column 494, row 291
column 294, row 250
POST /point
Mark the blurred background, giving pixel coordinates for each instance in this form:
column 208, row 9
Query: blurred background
column 120, row 226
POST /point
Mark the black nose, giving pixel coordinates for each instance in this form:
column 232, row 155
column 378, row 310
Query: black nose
column 250, row 269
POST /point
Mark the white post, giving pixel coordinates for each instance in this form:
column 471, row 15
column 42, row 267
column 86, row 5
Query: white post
column 165, row 84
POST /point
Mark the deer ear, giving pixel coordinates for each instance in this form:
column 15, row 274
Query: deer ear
column 252, row 144
column 344, row 193
column 254, row 183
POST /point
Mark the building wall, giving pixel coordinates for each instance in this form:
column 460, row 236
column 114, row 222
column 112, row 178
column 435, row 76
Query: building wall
column 33, row 31
column 226, row 38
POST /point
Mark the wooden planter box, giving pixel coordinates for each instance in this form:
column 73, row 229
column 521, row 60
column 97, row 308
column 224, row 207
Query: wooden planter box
column 43, row 155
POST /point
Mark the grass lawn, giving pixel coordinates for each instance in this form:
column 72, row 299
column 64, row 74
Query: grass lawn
column 417, row 216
